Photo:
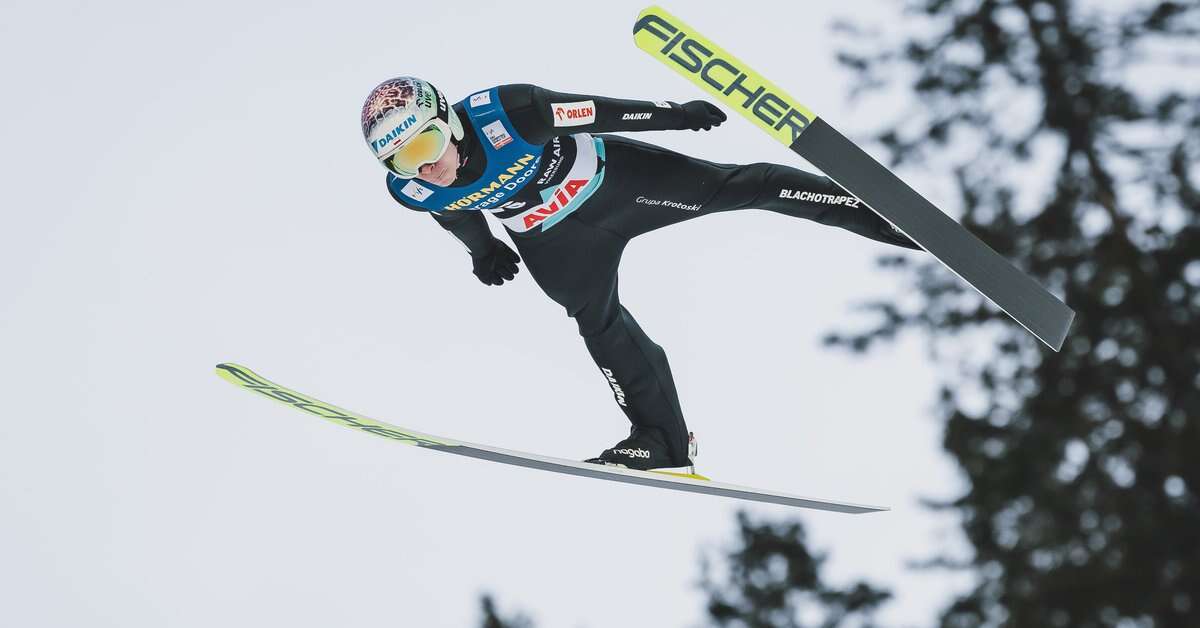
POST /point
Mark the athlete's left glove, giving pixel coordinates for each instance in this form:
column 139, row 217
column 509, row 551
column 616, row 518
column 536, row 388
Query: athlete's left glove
column 701, row 114
column 496, row 263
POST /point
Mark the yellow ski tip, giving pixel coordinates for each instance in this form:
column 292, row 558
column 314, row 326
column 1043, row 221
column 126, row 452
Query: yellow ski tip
column 720, row 74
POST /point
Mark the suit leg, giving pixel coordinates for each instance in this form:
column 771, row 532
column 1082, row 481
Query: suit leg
column 575, row 264
column 650, row 187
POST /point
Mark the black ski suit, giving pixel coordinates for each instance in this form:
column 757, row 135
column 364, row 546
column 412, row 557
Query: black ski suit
column 645, row 187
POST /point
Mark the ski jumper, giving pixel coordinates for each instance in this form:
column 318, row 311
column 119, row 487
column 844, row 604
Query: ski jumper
column 571, row 201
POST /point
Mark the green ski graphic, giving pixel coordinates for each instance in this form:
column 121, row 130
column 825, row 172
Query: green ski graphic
column 245, row 378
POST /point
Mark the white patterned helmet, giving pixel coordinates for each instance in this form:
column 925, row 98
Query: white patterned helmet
column 408, row 122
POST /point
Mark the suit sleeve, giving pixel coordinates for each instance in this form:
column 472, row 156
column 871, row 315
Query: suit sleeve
column 470, row 227
column 540, row 114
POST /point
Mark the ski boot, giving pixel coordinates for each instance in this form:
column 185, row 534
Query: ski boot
column 645, row 450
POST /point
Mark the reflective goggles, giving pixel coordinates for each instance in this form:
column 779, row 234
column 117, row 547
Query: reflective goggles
column 427, row 146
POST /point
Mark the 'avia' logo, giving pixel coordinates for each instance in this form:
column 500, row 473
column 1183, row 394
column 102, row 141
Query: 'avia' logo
column 562, row 197
column 394, row 133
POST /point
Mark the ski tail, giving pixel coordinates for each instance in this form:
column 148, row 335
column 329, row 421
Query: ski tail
column 732, row 82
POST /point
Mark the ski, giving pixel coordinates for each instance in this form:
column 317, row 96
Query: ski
column 680, row 47
column 245, row 378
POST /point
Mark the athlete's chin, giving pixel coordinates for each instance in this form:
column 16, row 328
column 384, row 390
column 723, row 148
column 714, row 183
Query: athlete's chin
column 439, row 177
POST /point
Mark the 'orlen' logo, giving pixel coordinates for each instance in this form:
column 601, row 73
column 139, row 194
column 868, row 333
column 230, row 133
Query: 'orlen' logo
column 562, row 196
column 574, row 113
column 512, row 171
column 394, row 133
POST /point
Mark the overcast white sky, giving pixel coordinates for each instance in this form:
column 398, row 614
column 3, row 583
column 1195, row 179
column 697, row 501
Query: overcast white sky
column 185, row 184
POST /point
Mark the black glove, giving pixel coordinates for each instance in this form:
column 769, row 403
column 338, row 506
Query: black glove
column 495, row 263
column 701, row 114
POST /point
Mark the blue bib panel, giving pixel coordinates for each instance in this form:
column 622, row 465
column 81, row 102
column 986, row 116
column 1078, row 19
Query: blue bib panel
column 512, row 164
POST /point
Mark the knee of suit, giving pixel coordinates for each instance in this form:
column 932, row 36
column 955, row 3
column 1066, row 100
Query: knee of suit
column 617, row 334
column 757, row 176
column 593, row 324
column 769, row 180
column 740, row 188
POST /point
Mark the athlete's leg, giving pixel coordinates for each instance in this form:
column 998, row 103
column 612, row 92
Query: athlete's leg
column 793, row 192
column 648, row 187
column 576, row 265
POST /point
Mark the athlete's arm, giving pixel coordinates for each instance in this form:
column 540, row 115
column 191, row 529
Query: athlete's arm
column 540, row 114
column 470, row 227
column 492, row 261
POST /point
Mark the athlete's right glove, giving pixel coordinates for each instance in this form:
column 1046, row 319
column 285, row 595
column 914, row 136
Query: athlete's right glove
column 496, row 263
column 701, row 114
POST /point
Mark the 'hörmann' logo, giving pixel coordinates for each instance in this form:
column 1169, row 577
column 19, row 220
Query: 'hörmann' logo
column 695, row 58
column 394, row 133
column 510, row 172
column 612, row 381
column 828, row 199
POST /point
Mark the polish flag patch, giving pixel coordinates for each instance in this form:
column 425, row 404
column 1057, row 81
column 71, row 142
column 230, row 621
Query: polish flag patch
column 497, row 134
